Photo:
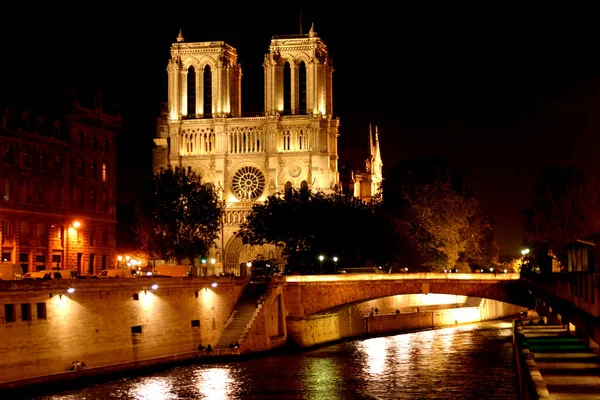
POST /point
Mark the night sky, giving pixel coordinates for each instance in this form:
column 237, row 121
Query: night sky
column 501, row 91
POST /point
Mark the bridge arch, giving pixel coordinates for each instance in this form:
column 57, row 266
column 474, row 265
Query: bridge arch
column 314, row 295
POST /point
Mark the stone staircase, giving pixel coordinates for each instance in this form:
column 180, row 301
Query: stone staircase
column 242, row 317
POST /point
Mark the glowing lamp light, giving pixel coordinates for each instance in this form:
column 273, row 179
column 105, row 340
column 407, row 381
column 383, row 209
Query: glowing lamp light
column 154, row 286
column 76, row 224
column 70, row 290
column 214, row 284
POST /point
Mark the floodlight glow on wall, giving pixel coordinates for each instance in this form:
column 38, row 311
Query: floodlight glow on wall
column 154, row 286
column 69, row 290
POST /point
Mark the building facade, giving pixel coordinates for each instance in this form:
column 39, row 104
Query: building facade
column 58, row 187
column 291, row 144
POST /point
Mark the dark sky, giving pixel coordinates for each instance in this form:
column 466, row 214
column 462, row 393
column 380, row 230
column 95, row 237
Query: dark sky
column 501, row 90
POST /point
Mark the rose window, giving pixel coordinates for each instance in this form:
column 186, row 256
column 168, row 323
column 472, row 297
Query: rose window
column 294, row 171
column 248, row 183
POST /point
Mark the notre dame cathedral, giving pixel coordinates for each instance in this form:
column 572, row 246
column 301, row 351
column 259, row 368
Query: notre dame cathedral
column 292, row 144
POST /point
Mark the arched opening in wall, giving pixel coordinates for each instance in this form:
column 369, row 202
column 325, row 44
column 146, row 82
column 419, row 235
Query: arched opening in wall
column 302, row 88
column 207, row 111
column 304, row 190
column 287, row 89
column 191, row 91
column 287, row 190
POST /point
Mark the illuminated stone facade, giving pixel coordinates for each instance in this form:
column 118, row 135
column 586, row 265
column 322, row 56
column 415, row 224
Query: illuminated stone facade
column 52, row 174
column 292, row 143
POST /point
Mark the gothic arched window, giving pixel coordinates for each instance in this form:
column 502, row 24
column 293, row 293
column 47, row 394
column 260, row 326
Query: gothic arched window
column 302, row 88
column 287, row 88
column 191, row 91
column 207, row 91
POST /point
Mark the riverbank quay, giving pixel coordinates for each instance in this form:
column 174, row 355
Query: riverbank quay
column 122, row 325
column 552, row 362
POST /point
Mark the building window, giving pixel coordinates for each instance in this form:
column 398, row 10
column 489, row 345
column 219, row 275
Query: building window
column 195, row 323
column 191, row 92
column 24, row 192
column 105, row 145
column 25, row 228
column 135, row 296
column 26, row 312
column 9, row 313
column 92, row 234
column 93, row 199
column 80, row 167
column 57, row 164
column 78, row 198
column 103, row 262
column 7, row 229
column 6, row 189
column 58, row 194
column 93, row 169
column 8, row 153
column 41, row 310
column 105, row 238
column 94, row 143
column 104, row 171
column 207, row 98
column 136, row 329
column 81, row 139
column 35, row 193
column 42, row 160
column 41, row 231
column 6, row 257
column 25, row 157
column 104, row 201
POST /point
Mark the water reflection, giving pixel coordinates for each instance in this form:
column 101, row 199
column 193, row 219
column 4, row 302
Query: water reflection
column 215, row 383
column 158, row 388
column 467, row 362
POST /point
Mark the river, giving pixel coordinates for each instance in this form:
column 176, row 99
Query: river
column 473, row 361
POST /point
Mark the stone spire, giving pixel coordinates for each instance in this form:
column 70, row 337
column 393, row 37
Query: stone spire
column 377, row 161
column 180, row 36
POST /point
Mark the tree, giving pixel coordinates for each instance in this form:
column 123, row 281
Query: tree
column 180, row 216
column 565, row 207
column 437, row 214
column 306, row 224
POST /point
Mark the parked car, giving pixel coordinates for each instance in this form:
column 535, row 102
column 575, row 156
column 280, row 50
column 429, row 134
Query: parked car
column 9, row 271
column 115, row 273
column 47, row 274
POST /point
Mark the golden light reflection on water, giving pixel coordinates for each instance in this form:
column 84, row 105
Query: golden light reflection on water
column 214, row 383
column 320, row 378
column 157, row 388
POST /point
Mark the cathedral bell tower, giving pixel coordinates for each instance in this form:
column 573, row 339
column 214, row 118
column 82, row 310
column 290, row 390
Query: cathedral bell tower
column 204, row 80
column 298, row 76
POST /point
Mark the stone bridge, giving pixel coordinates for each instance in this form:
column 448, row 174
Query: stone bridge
column 320, row 294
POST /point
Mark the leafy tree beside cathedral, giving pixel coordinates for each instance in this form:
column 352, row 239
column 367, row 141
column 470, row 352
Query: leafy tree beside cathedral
column 179, row 217
column 307, row 224
column 438, row 218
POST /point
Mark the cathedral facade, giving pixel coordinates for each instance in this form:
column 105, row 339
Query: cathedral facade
column 246, row 158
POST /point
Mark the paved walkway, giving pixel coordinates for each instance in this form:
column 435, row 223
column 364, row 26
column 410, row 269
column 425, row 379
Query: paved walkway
column 569, row 369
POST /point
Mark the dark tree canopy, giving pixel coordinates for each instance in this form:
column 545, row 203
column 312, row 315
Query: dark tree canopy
column 179, row 217
column 306, row 224
column 438, row 215
column 565, row 207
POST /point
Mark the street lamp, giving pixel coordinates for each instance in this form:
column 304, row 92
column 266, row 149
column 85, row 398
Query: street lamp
column 75, row 226
column 321, row 258
column 212, row 262
column 335, row 260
